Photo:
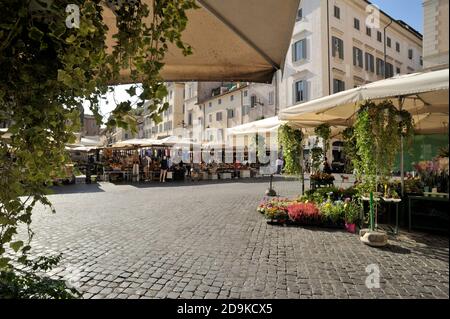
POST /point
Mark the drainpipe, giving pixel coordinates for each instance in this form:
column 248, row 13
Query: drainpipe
column 328, row 46
column 385, row 55
column 276, row 94
column 242, row 106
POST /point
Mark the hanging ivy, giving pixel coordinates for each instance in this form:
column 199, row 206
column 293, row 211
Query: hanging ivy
column 378, row 130
column 291, row 140
column 47, row 69
column 350, row 150
column 324, row 132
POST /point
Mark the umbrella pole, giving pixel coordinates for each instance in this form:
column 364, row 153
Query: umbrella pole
column 402, row 164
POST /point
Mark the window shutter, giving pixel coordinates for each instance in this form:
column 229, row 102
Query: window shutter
column 304, row 56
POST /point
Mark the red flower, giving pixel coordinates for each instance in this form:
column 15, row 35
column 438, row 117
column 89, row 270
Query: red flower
column 305, row 213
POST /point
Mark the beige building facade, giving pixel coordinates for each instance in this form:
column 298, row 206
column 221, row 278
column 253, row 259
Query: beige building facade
column 340, row 44
column 172, row 118
column 435, row 37
column 235, row 104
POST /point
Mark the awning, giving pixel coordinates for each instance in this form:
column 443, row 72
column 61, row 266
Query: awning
column 424, row 94
column 176, row 141
column 144, row 142
column 271, row 125
column 232, row 40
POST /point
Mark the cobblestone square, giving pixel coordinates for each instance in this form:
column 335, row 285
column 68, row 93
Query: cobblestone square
column 206, row 240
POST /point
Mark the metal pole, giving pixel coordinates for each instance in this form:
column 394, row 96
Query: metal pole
column 402, row 168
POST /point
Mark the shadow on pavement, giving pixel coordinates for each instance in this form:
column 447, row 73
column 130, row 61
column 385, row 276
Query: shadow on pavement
column 76, row 189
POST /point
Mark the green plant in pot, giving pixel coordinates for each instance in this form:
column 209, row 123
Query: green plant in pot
column 351, row 215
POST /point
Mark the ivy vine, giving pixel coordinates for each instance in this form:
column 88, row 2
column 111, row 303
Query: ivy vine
column 377, row 131
column 48, row 70
column 291, row 140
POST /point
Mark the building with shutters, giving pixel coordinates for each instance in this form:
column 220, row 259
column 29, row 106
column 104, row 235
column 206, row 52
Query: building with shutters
column 340, row 44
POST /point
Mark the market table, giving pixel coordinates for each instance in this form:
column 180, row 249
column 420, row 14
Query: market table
column 411, row 199
column 125, row 174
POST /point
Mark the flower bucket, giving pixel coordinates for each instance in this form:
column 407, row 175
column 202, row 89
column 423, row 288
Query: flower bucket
column 351, row 228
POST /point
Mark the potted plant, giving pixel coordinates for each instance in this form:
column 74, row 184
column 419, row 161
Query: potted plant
column 333, row 213
column 352, row 211
column 276, row 211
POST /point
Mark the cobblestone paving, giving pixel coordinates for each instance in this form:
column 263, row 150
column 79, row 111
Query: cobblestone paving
column 207, row 241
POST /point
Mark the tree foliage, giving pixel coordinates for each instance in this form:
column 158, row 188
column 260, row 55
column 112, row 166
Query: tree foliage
column 48, row 69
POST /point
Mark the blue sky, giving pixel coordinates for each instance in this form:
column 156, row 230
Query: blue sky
column 410, row 11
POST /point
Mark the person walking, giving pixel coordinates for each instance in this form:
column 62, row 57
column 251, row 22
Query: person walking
column 279, row 163
column 164, row 167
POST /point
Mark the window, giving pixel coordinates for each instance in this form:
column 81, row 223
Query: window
column 253, row 101
column 379, row 36
column 230, row 113
column 170, row 109
column 210, row 104
column 356, row 23
column 126, row 136
column 299, row 14
column 300, row 91
column 410, row 54
column 190, row 118
column 232, row 98
column 169, row 125
column 219, row 116
column 245, row 93
column 380, row 67
column 337, row 12
column 271, row 98
column 170, row 94
column 397, row 71
column 389, row 70
column 219, row 101
column 397, row 46
column 299, row 50
column 338, row 86
column 210, row 118
column 357, row 57
column 369, row 31
column 388, row 42
column 337, row 47
column 370, row 62
column 421, row 60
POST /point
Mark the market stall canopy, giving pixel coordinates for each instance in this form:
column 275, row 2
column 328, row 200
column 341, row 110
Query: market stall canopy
column 431, row 123
column 143, row 142
column 91, row 141
column 270, row 125
column 424, row 94
column 176, row 141
column 80, row 149
column 232, row 40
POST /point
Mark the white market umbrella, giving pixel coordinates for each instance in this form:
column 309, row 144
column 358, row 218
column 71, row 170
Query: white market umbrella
column 177, row 142
column 423, row 93
column 137, row 143
column 232, row 40
column 272, row 124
